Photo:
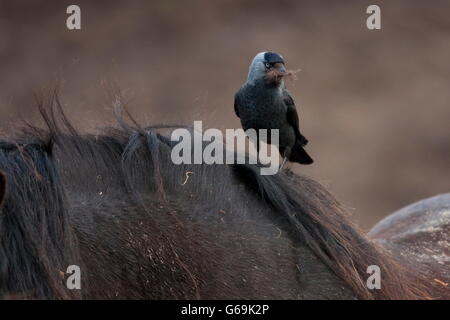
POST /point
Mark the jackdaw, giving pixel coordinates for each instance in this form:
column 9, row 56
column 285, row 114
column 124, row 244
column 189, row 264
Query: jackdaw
column 263, row 102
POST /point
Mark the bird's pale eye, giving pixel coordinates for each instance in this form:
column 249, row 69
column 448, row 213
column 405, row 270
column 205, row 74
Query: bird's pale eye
column 268, row 65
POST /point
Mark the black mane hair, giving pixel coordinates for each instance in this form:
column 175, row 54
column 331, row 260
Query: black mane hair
column 35, row 231
column 64, row 194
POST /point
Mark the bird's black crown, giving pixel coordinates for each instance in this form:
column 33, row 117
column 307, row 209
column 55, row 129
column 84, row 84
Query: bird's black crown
column 272, row 57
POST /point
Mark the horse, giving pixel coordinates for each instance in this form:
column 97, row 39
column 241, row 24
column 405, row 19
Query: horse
column 140, row 227
column 420, row 234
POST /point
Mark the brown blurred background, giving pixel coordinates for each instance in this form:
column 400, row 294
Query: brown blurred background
column 375, row 105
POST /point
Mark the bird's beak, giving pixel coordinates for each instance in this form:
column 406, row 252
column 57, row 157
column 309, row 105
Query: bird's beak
column 276, row 74
column 280, row 67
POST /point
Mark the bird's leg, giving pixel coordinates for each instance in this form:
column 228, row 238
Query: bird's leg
column 282, row 164
column 285, row 154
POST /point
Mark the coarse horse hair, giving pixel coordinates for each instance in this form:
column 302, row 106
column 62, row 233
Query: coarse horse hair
column 92, row 199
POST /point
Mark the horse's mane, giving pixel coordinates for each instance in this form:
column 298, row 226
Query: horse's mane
column 313, row 215
column 35, row 231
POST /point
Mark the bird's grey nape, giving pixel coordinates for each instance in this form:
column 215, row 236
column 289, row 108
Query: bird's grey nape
column 257, row 68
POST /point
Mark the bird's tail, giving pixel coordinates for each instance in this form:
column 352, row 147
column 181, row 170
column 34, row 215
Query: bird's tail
column 299, row 154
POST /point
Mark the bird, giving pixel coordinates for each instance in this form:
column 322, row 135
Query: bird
column 263, row 102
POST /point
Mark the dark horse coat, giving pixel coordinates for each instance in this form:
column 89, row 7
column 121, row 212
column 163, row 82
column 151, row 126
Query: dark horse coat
column 420, row 232
column 141, row 227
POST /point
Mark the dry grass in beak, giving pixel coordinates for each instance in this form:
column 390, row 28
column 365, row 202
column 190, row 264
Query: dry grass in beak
column 277, row 75
column 290, row 74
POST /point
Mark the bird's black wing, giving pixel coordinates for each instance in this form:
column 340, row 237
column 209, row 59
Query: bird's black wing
column 292, row 117
column 236, row 104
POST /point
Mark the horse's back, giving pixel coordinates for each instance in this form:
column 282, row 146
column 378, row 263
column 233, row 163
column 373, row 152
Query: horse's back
column 420, row 233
